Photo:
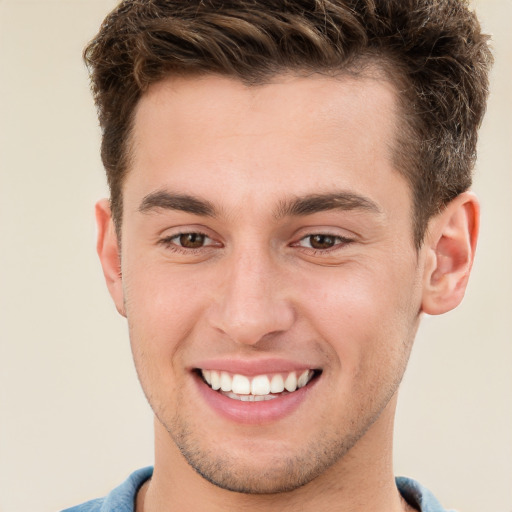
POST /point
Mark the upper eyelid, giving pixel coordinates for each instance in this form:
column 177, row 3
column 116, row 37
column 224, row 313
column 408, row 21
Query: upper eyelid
column 344, row 238
column 327, row 229
column 171, row 232
column 342, row 241
column 176, row 235
column 323, row 232
column 185, row 232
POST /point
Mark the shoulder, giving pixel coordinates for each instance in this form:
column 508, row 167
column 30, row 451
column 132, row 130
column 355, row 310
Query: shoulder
column 89, row 506
column 418, row 496
column 120, row 499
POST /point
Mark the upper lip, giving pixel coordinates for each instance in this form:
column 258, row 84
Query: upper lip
column 253, row 367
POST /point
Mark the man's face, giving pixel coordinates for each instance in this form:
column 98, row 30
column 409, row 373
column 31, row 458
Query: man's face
column 266, row 234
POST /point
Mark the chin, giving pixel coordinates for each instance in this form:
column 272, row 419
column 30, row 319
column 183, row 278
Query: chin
column 259, row 469
column 277, row 476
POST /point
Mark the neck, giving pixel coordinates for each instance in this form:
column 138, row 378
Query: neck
column 362, row 480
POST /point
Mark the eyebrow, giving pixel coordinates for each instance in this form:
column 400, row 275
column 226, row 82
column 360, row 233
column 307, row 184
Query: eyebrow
column 316, row 203
column 300, row 206
column 181, row 202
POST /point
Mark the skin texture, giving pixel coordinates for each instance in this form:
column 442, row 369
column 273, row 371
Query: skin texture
column 256, row 289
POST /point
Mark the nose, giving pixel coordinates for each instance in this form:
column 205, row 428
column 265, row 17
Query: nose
column 252, row 302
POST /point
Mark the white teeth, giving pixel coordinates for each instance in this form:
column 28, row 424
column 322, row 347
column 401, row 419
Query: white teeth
column 207, row 374
column 225, row 381
column 215, row 380
column 303, row 379
column 241, row 385
column 260, row 385
column 290, row 384
column 253, row 389
column 277, row 384
column 251, row 398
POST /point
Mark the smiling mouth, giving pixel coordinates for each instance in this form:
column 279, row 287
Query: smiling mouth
column 259, row 387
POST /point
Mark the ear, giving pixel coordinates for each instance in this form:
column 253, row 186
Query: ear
column 107, row 247
column 450, row 243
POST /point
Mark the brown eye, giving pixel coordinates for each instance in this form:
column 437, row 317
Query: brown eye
column 191, row 240
column 322, row 241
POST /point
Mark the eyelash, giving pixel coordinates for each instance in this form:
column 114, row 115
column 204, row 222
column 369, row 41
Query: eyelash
column 341, row 242
column 168, row 243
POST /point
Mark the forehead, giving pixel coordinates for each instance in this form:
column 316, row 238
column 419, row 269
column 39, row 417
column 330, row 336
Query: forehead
column 297, row 134
column 283, row 104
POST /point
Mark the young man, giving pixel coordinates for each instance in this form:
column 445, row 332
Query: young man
column 289, row 193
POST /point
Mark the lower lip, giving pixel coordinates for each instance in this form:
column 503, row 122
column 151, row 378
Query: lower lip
column 253, row 413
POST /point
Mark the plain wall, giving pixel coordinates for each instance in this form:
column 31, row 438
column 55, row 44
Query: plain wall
column 73, row 421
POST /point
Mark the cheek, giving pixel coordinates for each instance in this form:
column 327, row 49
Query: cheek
column 162, row 309
column 162, row 299
column 367, row 314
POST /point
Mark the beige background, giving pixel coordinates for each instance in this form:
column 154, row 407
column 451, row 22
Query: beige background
column 73, row 422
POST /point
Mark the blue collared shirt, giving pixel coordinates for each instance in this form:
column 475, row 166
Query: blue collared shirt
column 122, row 498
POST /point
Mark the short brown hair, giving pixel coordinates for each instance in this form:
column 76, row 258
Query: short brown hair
column 432, row 50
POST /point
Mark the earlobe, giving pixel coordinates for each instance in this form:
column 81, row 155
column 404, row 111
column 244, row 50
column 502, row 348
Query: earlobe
column 450, row 244
column 108, row 250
